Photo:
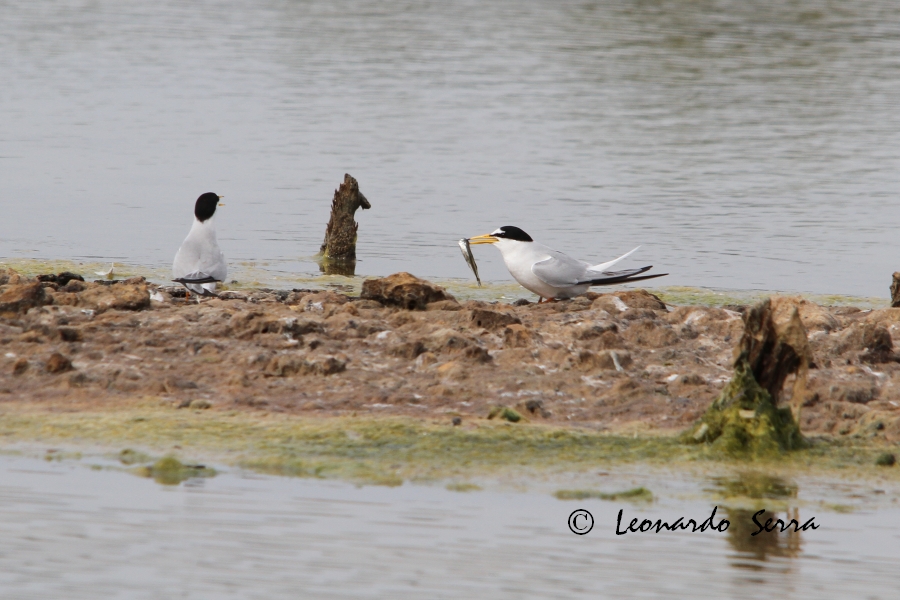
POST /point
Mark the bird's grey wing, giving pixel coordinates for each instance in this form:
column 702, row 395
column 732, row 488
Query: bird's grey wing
column 560, row 270
column 197, row 277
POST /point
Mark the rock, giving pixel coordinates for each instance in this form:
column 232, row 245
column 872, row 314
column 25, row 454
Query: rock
column 491, row 319
column 285, row 365
column 57, row 363
column 408, row 350
column 11, row 277
column 318, row 301
column 444, row 305
column 691, row 379
column 16, row 299
column 619, row 302
column 61, row 279
column 119, row 296
column 857, row 394
column 590, row 331
column 535, row 406
column 884, row 316
column 813, row 316
column 886, row 459
column 246, row 324
column 878, row 344
column 71, row 334
column 449, row 340
column 651, row 334
column 403, row 290
column 519, row 336
column 20, row 366
column 609, row 360
column 74, row 286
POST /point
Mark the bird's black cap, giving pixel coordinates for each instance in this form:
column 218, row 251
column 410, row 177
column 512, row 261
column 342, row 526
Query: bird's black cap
column 511, row 232
column 205, row 207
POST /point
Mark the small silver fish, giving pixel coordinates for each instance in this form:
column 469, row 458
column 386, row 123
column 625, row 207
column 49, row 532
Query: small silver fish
column 470, row 258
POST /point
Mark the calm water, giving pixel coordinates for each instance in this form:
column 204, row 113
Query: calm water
column 746, row 145
column 71, row 532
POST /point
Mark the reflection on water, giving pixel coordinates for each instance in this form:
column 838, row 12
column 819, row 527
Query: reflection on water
column 754, row 549
column 746, row 145
column 756, row 485
column 752, row 488
column 74, row 532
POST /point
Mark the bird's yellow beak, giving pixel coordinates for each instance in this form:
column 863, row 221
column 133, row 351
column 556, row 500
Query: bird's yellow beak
column 483, row 239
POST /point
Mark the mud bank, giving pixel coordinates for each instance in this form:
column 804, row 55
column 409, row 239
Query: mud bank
column 622, row 362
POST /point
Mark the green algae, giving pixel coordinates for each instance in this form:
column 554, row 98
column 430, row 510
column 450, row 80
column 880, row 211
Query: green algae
column 463, row 487
column 743, row 422
column 171, row 471
column 755, row 485
column 506, row 413
column 697, row 296
column 389, row 451
column 130, row 457
column 886, row 459
column 638, row 494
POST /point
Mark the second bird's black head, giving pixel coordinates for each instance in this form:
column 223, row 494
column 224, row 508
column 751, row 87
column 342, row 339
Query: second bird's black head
column 205, row 207
column 510, row 232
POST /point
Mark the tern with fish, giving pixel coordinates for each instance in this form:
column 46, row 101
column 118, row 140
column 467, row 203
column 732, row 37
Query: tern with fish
column 549, row 273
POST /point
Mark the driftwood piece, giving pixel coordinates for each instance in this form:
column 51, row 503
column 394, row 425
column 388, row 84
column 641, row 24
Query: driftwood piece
column 775, row 346
column 745, row 419
column 338, row 250
column 895, row 291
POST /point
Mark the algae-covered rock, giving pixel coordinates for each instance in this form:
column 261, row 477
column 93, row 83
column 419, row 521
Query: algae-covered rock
column 745, row 421
column 505, row 412
column 171, row 471
column 886, row 459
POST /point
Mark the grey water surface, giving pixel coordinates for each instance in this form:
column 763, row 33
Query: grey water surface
column 745, row 145
column 67, row 531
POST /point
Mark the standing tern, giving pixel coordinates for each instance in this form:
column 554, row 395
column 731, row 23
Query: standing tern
column 199, row 263
column 549, row 273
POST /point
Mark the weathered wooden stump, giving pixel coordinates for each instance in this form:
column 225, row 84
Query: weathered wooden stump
column 337, row 256
column 895, row 291
column 745, row 420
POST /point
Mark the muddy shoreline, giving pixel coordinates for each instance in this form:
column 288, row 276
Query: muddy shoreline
column 616, row 362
